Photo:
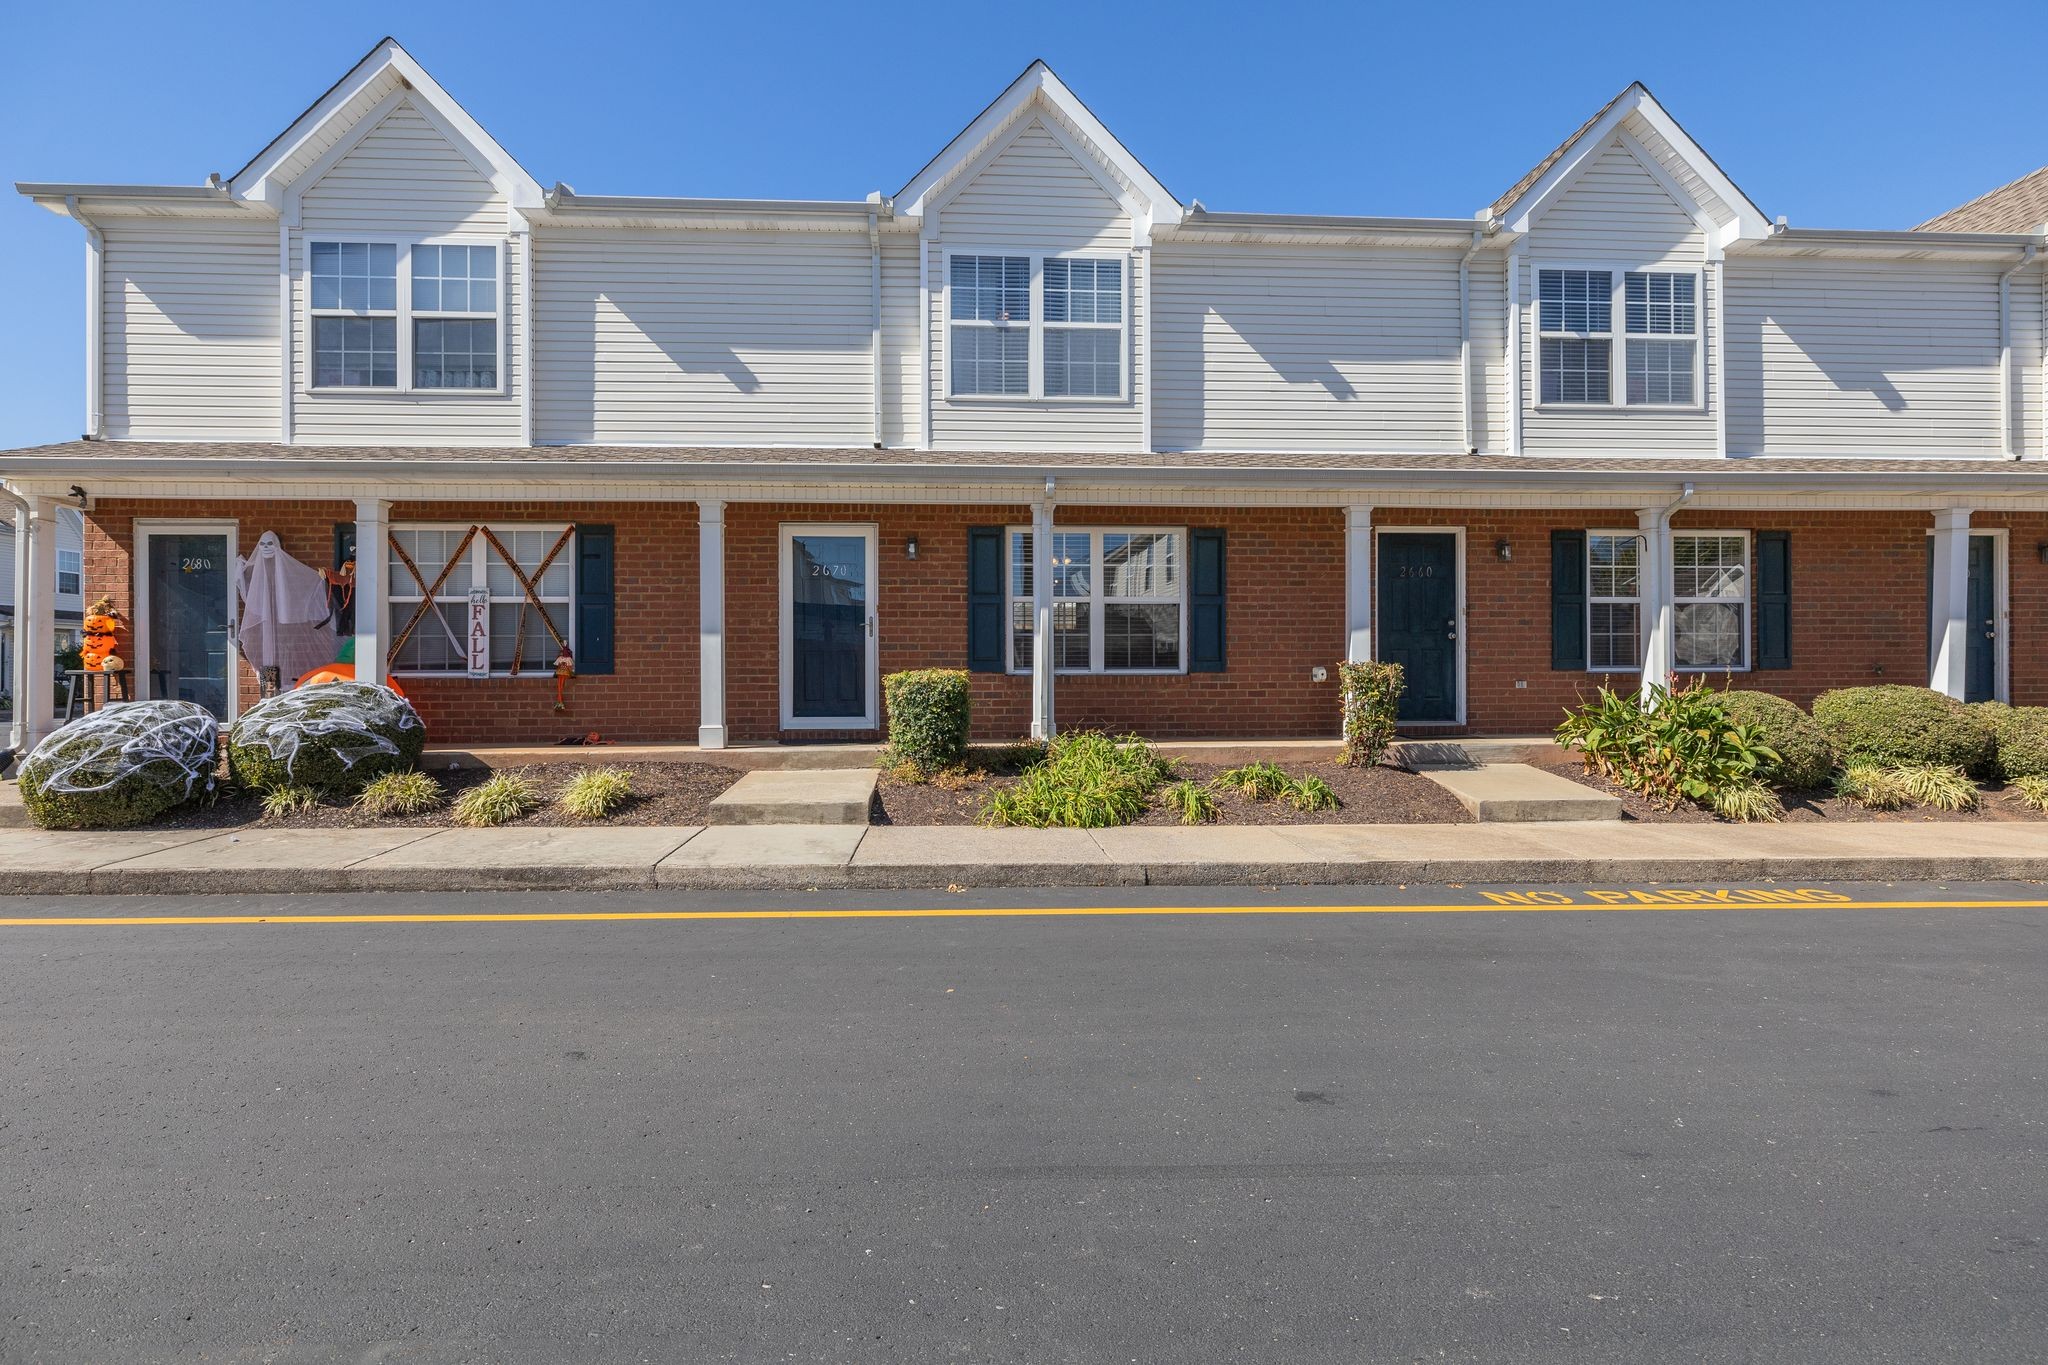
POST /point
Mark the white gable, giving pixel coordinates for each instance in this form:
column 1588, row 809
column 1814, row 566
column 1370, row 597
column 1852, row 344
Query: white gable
column 1619, row 210
column 1035, row 192
column 405, row 168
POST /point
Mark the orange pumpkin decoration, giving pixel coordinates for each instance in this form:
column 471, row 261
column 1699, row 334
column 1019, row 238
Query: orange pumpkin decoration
column 91, row 659
column 339, row 672
column 102, row 623
column 104, row 643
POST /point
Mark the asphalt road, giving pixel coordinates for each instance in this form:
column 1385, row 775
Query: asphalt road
column 1796, row 1134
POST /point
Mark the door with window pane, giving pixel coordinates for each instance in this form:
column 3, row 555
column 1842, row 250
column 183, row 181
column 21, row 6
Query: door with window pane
column 186, row 652
column 828, row 627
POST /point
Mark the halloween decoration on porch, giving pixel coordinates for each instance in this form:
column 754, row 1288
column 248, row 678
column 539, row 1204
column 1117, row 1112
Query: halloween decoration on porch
column 102, row 625
column 121, row 766
column 332, row 738
column 286, row 621
column 529, row 599
column 565, row 669
column 339, row 672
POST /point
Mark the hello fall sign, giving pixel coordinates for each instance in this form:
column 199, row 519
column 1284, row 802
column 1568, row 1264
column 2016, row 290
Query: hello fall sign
column 479, row 634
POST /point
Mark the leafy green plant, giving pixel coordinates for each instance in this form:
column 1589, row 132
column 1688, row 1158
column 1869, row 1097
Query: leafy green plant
column 1087, row 781
column 1746, row 803
column 1371, row 693
column 1806, row 756
column 1193, row 802
column 279, row 802
column 1872, row 786
column 930, row 713
column 1671, row 746
column 1929, row 784
column 594, row 794
column 497, row 799
column 1310, row 793
column 1895, row 724
column 2019, row 738
column 2031, row 791
column 410, row 793
column 333, row 737
column 1259, row 781
column 121, row 766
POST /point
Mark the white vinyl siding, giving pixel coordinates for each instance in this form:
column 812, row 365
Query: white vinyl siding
column 1034, row 199
column 404, row 177
column 191, row 348
column 704, row 338
column 1313, row 348
column 902, row 400
column 1883, row 358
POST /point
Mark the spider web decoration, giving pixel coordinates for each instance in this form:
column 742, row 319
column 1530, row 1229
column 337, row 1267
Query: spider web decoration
column 344, row 718
column 171, row 745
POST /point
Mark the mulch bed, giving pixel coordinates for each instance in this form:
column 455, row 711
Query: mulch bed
column 1370, row 796
column 1815, row 807
column 663, row 794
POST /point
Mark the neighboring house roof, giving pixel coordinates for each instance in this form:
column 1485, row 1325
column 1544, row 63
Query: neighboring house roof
column 2021, row 206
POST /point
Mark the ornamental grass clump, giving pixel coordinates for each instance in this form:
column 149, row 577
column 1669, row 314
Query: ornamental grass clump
column 597, row 793
column 1194, row 803
column 1087, row 781
column 1371, row 693
column 1894, row 724
column 279, row 802
column 1930, row 784
column 2030, row 791
column 930, row 714
column 408, row 793
column 1872, row 786
column 497, row 799
column 1674, row 746
column 1259, row 781
column 1310, row 793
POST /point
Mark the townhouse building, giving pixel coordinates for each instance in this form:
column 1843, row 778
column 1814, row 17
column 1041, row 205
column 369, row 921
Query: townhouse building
column 1134, row 463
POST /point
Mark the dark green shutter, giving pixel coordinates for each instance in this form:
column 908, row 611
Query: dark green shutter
column 985, row 599
column 1568, row 599
column 1207, row 632
column 1773, row 599
column 594, row 598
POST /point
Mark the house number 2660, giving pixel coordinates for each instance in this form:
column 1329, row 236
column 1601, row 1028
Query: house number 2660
column 1416, row 571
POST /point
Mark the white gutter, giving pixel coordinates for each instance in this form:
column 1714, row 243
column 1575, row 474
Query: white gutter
column 95, row 276
column 1660, row 659
column 1465, row 333
column 2008, row 425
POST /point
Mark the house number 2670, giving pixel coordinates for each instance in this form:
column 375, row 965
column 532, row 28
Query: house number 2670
column 827, row 570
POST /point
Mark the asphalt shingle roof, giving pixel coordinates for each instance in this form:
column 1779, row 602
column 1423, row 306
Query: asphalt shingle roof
column 2021, row 206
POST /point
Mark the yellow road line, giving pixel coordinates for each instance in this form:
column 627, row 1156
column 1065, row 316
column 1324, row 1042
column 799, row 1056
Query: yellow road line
column 1004, row 912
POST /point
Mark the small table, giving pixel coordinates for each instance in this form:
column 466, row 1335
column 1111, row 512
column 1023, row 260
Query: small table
column 95, row 695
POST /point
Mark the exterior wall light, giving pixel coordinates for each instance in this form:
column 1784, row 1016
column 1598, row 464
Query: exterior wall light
column 910, row 547
column 2042, row 550
column 1504, row 551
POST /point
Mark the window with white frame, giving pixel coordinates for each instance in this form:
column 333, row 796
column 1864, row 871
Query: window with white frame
column 1658, row 363
column 436, row 642
column 70, row 573
column 1035, row 326
column 1614, row 600
column 1118, row 601
column 374, row 306
column 1710, row 599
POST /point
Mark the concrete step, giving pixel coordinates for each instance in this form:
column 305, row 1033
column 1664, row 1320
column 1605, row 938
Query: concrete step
column 13, row 814
column 1519, row 792
column 1468, row 752
column 832, row 796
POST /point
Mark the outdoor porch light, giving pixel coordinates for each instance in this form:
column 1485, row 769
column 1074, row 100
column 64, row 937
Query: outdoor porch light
column 910, row 547
column 2042, row 550
column 1504, row 551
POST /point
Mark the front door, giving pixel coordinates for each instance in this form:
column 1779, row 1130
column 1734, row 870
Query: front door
column 1418, row 621
column 1980, row 653
column 184, row 651
column 828, row 635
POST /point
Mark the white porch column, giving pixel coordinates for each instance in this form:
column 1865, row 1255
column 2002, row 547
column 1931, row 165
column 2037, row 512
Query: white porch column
column 35, row 626
column 17, row 660
column 1041, row 633
column 1949, row 617
column 1357, row 584
column 373, row 610
column 1653, row 576
column 710, row 625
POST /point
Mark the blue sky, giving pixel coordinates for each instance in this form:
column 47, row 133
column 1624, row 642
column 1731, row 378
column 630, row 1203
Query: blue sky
column 1836, row 115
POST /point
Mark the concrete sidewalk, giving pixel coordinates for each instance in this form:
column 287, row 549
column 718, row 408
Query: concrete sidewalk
column 265, row 861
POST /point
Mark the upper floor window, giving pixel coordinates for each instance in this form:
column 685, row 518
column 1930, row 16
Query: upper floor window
column 381, row 312
column 70, row 573
column 1659, row 340
column 1036, row 326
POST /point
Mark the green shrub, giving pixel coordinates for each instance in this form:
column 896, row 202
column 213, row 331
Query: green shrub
column 500, row 797
column 1087, row 781
column 1310, row 793
column 1192, row 801
column 1670, row 746
column 279, row 802
column 1806, row 757
column 2019, row 738
column 1371, row 694
column 1259, row 781
column 597, row 793
column 1893, row 724
column 930, row 713
column 413, row 793
column 333, row 737
column 2031, row 791
column 122, row 766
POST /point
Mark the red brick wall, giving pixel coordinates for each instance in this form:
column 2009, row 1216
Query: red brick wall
column 1858, row 614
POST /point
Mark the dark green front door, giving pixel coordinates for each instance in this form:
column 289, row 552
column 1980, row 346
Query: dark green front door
column 1418, row 621
column 1980, row 653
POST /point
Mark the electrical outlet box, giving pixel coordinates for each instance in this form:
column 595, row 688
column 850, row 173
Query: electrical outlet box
column 1319, row 674
column 1521, row 682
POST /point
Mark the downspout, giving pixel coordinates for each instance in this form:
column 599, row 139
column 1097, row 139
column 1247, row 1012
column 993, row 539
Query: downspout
column 875, row 310
column 17, row 684
column 95, row 323
column 1465, row 334
column 1659, row 666
column 2008, row 427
